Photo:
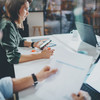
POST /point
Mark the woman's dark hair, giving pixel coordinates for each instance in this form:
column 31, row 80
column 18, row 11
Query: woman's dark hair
column 30, row 1
column 2, row 6
column 13, row 7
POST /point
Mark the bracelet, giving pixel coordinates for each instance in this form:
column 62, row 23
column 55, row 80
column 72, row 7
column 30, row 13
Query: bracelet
column 32, row 44
column 35, row 79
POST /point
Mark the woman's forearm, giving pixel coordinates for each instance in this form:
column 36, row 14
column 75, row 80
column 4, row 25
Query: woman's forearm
column 45, row 54
column 25, row 58
column 27, row 44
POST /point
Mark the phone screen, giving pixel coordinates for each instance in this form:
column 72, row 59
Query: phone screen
column 44, row 44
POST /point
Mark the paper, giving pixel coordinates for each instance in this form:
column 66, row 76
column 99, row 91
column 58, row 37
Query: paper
column 94, row 78
column 72, row 69
column 27, row 50
column 36, row 40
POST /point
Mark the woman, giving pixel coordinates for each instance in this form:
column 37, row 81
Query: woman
column 16, row 13
column 24, row 32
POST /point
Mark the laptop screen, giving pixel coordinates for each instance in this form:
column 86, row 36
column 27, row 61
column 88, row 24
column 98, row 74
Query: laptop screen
column 86, row 33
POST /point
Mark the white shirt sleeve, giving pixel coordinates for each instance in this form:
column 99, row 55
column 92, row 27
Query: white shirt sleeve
column 6, row 87
column 1, row 96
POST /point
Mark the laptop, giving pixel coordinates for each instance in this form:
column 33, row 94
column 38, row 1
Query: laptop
column 92, row 85
column 86, row 33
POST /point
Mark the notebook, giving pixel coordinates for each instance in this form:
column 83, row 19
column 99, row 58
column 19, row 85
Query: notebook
column 86, row 33
column 95, row 95
column 92, row 85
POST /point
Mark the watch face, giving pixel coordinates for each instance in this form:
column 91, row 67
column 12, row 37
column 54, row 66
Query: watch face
column 35, row 83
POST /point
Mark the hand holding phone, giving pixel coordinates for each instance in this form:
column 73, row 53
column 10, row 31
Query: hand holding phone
column 44, row 44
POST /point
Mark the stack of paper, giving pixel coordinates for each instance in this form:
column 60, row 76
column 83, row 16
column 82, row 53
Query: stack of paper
column 72, row 69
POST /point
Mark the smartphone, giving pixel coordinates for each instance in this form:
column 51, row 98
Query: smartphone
column 44, row 44
column 51, row 44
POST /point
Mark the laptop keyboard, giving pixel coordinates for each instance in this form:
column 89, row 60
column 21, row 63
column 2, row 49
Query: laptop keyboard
column 92, row 92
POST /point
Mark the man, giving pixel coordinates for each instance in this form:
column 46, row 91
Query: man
column 8, row 85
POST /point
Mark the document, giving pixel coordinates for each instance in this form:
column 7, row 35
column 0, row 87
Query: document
column 72, row 69
column 94, row 78
column 36, row 40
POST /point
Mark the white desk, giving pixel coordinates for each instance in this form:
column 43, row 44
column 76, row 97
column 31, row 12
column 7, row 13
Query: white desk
column 28, row 68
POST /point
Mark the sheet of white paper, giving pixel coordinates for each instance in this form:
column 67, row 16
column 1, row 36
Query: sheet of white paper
column 74, row 59
column 72, row 69
column 94, row 78
column 27, row 51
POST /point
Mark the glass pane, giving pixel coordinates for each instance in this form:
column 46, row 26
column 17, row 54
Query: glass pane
column 36, row 5
column 62, row 15
column 52, row 17
column 68, row 20
column 88, row 12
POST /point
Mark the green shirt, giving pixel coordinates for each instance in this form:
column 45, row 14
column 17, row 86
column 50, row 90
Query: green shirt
column 11, row 40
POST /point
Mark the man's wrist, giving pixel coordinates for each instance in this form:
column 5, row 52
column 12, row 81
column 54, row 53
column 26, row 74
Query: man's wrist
column 38, row 77
column 34, row 77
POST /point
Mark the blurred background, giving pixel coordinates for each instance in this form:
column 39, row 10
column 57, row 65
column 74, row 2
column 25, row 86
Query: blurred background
column 49, row 17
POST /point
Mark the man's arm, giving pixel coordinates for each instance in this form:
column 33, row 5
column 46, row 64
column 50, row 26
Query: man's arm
column 23, row 83
column 20, row 84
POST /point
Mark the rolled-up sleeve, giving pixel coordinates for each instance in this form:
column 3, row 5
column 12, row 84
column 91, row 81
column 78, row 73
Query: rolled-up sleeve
column 6, row 87
column 10, row 43
column 22, row 42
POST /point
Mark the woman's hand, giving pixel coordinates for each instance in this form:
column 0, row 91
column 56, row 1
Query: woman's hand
column 47, row 53
column 45, row 73
column 82, row 95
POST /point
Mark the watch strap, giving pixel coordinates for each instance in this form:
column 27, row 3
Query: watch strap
column 35, row 79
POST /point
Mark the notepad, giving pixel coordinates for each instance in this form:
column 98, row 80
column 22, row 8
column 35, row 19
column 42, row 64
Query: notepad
column 94, row 78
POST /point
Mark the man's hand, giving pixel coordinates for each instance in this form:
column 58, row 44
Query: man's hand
column 45, row 73
column 82, row 95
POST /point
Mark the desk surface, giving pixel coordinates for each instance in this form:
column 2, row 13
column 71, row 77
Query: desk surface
column 23, row 69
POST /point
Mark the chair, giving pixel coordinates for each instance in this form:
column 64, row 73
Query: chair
column 38, row 28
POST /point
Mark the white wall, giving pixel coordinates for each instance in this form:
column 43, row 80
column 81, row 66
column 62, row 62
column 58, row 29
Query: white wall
column 35, row 19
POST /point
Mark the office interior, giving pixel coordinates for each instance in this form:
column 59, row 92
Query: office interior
column 51, row 17
column 58, row 16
